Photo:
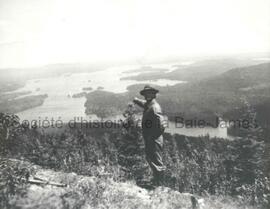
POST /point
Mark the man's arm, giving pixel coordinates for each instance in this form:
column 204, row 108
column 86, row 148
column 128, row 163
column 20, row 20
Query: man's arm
column 139, row 102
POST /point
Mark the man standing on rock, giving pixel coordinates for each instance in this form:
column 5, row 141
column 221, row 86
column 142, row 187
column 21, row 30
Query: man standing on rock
column 152, row 129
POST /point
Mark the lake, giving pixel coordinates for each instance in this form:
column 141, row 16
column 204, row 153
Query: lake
column 60, row 104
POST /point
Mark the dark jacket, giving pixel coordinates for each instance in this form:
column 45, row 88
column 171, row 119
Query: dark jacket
column 153, row 124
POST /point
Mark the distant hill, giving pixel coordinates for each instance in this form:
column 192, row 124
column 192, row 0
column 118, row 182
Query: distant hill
column 24, row 74
column 246, row 77
column 195, row 72
column 221, row 94
column 205, row 99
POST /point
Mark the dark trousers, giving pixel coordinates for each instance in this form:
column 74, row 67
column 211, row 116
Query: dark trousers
column 153, row 151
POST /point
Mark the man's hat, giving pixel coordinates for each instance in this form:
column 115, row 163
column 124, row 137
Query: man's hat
column 148, row 88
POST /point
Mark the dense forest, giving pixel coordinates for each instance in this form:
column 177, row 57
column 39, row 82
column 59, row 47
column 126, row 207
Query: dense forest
column 199, row 165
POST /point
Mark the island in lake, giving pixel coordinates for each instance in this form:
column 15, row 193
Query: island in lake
column 79, row 95
column 23, row 103
column 87, row 89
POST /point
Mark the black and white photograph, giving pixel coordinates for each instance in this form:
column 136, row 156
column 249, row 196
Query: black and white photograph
column 134, row 104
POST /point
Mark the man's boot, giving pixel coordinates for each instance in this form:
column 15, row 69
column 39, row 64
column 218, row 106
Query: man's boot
column 158, row 179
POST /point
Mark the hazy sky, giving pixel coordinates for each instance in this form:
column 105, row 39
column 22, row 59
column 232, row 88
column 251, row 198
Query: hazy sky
column 34, row 32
